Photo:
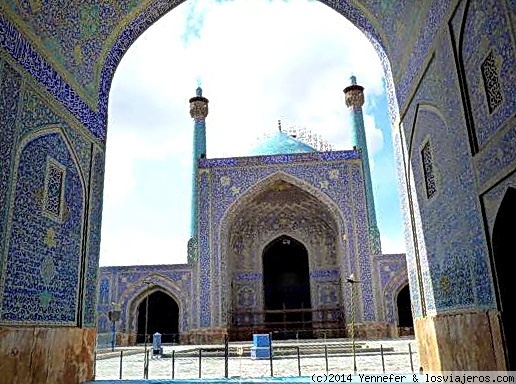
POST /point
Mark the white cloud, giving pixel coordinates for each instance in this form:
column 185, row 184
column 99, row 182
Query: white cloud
column 259, row 61
column 140, row 248
column 393, row 244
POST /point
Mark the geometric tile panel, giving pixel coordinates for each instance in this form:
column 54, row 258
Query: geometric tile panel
column 455, row 264
column 392, row 270
column 44, row 254
column 44, row 251
column 225, row 185
column 205, row 256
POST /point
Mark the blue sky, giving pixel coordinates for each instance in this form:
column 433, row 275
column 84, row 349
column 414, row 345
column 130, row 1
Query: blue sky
column 258, row 61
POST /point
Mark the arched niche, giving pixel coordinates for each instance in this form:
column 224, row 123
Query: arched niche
column 157, row 311
column 405, row 321
column 504, row 244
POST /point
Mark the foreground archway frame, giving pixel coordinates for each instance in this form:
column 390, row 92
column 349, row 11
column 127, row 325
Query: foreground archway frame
column 441, row 54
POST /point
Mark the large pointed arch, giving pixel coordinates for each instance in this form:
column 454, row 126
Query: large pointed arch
column 137, row 292
column 240, row 204
column 139, row 306
column 237, row 211
column 141, row 18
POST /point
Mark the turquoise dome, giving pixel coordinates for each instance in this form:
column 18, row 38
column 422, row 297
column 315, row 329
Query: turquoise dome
column 281, row 143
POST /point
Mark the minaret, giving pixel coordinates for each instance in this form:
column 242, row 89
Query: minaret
column 354, row 96
column 198, row 111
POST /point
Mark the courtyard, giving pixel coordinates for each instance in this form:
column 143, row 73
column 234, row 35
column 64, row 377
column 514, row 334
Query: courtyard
column 333, row 356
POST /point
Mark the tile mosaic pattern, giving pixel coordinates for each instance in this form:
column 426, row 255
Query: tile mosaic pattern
column 93, row 250
column 10, row 83
column 492, row 87
column 54, row 188
column 206, row 225
column 428, row 170
column 44, row 253
column 13, row 42
column 228, row 192
column 392, row 273
column 85, row 99
column 235, row 180
column 455, row 267
column 497, row 159
column 487, row 32
column 264, row 216
column 417, row 295
column 45, row 289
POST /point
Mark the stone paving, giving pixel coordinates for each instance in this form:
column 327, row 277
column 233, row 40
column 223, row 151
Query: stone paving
column 396, row 360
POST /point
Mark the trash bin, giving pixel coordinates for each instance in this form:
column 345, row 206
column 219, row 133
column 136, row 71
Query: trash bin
column 261, row 346
column 157, row 349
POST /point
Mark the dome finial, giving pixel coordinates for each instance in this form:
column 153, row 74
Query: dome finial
column 198, row 91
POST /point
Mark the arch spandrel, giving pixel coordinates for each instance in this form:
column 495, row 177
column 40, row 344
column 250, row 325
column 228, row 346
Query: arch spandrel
column 57, row 59
column 114, row 27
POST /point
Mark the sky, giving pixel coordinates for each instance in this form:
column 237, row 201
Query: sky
column 258, row 61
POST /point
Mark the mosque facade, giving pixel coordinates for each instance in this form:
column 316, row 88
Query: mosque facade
column 275, row 237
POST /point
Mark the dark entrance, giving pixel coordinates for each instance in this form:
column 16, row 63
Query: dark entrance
column 405, row 321
column 286, row 282
column 163, row 318
column 504, row 250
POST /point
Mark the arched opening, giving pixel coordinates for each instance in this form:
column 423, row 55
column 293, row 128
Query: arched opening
column 286, row 285
column 404, row 306
column 504, row 244
column 256, row 227
column 163, row 317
